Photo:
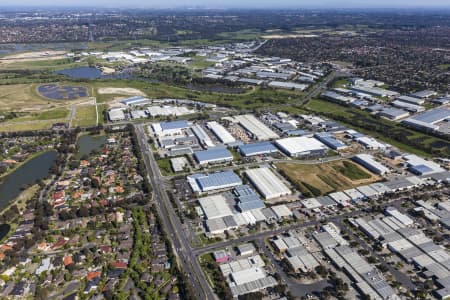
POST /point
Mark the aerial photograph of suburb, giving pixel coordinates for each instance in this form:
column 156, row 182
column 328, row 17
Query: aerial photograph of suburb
column 224, row 150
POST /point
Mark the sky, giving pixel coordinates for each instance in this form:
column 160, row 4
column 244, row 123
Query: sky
column 231, row 3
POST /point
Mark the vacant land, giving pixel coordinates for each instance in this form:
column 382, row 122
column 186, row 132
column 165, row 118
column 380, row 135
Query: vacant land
column 321, row 179
column 85, row 116
column 120, row 91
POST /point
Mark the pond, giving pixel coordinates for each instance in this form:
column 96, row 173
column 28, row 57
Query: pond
column 91, row 73
column 35, row 169
column 4, row 229
column 88, row 143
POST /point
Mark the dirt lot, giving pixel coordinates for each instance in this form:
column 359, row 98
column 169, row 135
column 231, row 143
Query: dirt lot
column 33, row 56
column 120, row 91
column 325, row 178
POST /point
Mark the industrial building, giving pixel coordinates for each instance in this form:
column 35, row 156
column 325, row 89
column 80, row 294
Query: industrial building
column 116, row 115
column 369, row 162
column 421, row 166
column 170, row 128
column 256, row 128
column 213, row 156
column 330, row 141
column 214, row 181
column 302, row 146
column 412, row 100
column 215, row 206
column 257, row 149
column 221, row 133
column 136, row 100
column 412, row 108
column 393, row 114
column 433, row 120
column 288, row 85
column 202, row 136
column 155, row 111
column 267, row 183
column 370, row 143
column 247, row 275
column 247, row 199
column 178, row 163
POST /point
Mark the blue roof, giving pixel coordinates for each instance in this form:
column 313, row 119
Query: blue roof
column 330, row 141
column 212, row 154
column 174, row 125
column 257, row 148
column 433, row 115
column 218, row 180
column 420, row 169
column 247, row 198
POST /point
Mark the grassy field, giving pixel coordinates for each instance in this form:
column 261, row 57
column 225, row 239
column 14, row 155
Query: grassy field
column 85, row 116
column 321, row 179
column 49, row 65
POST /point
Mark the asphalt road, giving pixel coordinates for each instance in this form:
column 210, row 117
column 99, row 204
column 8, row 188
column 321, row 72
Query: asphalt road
column 181, row 246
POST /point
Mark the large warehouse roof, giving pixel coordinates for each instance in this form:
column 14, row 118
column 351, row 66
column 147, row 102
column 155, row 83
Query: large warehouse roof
column 212, row 155
column 267, row 183
column 257, row 149
column 256, row 127
column 222, row 134
column 215, row 207
column 215, row 181
column 300, row 145
column 247, row 198
column 369, row 162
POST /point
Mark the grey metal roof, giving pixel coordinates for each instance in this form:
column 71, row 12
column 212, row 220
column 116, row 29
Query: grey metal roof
column 213, row 154
column 257, row 148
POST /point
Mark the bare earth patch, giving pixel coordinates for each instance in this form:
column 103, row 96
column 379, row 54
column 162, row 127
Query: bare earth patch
column 33, row 56
column 120, row 91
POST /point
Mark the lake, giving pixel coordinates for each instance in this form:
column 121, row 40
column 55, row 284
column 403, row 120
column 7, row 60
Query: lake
column 4, row 229
column 35, row 169
column 91, row 73
column 88, row 143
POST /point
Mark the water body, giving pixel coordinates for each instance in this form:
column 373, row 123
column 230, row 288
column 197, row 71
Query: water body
column 4, row 229
column 88, row 143
column 91, row 73
column 27, row 174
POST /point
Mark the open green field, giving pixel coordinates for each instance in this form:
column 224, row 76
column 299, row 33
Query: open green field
column 85, row 116
column 321, row 179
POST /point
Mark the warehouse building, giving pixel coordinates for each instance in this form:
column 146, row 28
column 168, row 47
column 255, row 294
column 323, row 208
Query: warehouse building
column 155, row 111
column 213, row 156
column 170, row 128
column 178, row 163
column 116, row 115
column 221, row 133
column 288, row 85
column 260, row 148
column 267, row 183
column 330, row 141
column 136, row 100
column 393, row 114
column 256, row 128
column 369, row 162
column 247, row 199
column 214, row 181
column 412, row 108
column 302, row 146
column 370, row 143
column 412, row 100
column 202, row 136
column 420, row 166
column 215, row 206
column 433, row 119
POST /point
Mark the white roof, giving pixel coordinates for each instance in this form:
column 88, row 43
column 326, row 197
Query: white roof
column 267, row 183
column 311, row 203
column 340, row 198
column 256, row 127
column 299, row 145
column 282, row 211
column 222, row 134
column 248, row 275
column 371, row 143
column 215, row 206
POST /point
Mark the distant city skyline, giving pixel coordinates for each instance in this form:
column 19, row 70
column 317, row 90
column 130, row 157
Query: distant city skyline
column 229, row 3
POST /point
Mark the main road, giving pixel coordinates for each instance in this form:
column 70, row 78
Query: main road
column 181, row 246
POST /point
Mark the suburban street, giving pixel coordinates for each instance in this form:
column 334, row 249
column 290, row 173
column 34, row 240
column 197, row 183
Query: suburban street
column 172, row 224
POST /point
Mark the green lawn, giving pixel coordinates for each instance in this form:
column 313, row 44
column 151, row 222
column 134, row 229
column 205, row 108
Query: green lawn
column 351, row 171
column 85, row 116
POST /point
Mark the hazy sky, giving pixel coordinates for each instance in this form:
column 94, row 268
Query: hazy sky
column 231, row 3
